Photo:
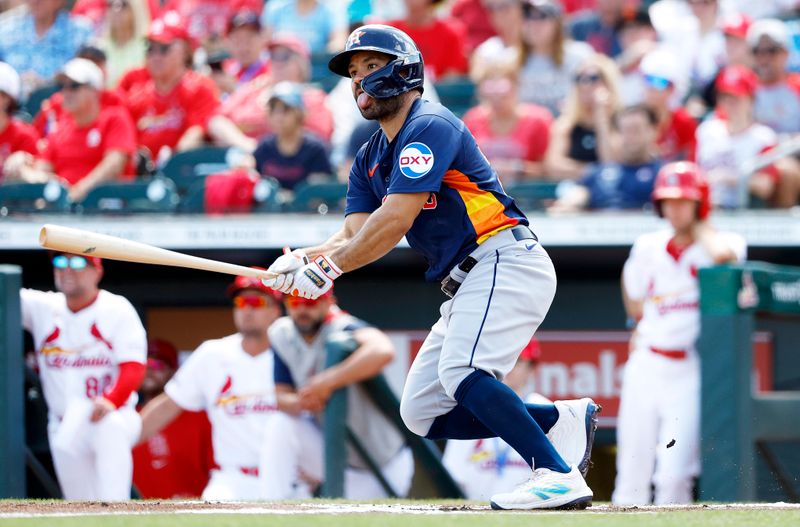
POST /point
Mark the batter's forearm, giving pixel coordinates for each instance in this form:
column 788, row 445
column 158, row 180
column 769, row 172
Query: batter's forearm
column 380, row 234
column 331, row 245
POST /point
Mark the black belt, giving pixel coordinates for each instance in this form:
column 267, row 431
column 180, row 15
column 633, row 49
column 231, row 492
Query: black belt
column 450, row 285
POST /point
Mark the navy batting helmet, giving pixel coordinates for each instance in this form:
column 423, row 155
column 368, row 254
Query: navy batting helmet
column 400, row 75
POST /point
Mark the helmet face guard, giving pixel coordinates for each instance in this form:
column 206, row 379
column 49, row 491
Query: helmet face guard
column 404, row 72
column 398, row 76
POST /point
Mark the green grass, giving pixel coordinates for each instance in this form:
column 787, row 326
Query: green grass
column 695, row 518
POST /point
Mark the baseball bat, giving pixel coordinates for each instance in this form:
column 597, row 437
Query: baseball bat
column 78, row 241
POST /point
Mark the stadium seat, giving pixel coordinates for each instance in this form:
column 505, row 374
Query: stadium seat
column 533, row 195
column 457, row 94
column 148, row 195
column 24, row 198
column 319, row 197
column 265, row 197
column 320, row 74
column 36, row 98
column 184, row 167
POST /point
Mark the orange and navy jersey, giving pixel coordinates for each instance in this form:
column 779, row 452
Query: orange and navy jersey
column 434, row 152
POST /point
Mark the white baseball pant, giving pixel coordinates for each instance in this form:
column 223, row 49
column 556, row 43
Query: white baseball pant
column 658, row 429
column 93, row 461
column 294, row 445
column 231, row 484
column 488, row 322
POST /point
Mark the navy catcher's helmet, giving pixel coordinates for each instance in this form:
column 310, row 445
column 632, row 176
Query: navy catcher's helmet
column 400, row 75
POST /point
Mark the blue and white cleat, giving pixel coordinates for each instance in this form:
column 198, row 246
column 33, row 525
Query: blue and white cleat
column 573, row 434
column 547, row 490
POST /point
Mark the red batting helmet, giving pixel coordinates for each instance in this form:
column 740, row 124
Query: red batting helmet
column 682, row 179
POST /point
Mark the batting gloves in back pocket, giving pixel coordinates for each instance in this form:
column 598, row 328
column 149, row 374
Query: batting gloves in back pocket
column 315, row 279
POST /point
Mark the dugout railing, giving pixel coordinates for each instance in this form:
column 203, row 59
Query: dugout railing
column 737, row 422
column 337, row 434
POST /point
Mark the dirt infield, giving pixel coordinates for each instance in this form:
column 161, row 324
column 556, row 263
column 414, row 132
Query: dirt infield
column 33, row 508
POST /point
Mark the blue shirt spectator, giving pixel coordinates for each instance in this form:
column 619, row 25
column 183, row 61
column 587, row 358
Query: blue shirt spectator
column 290, row 169
column 600, row 28
column 38, row 57
column 315, row 26
column 619, row 185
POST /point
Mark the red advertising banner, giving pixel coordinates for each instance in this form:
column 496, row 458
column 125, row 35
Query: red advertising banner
column 577, row 364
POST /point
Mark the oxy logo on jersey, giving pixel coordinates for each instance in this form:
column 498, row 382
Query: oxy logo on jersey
column 415, row 160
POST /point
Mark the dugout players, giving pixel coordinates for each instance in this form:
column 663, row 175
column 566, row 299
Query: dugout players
column 90, row 351
column 231, row 379
column 658, row 428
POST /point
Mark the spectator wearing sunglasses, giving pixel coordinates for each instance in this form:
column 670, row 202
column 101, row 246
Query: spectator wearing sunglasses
column 548, row 59
column 231, row 380
column 92, row 144
column 177, row 461
column 293, row 440
column 661, row 76
column 582, row 134
column 290, row 61
column 90, row 350
column 777, row 103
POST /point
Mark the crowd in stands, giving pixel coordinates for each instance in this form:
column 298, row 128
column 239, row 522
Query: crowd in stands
column 592, row 94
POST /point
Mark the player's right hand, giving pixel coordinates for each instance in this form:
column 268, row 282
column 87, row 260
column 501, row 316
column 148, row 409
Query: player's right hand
column 285, row 266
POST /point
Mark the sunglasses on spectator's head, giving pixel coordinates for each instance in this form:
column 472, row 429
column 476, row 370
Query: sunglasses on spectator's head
column 70, row 85
column 281, row 55
column 588, row 78
column 117, row 5
column 243, row 301
column 701, row 2
column 656, row 82
column 76, row 263
column 297, row 301
column 767, row 50
column 158, row 48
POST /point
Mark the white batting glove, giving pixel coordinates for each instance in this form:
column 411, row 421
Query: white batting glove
column 314, row 279
column 284, row 266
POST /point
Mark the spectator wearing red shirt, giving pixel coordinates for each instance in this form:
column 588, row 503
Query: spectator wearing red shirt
column 676, row 127
column 512, row 135
column 93, row 144
column 441, row 42
column 290, row 60
column 15, row 135
column 173, row 107
column 177, row 461
column 777, row 103
column 474, row 15
column 245, row 44
column 206, row 20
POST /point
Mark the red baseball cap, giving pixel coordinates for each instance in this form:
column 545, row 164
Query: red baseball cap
column 250, row 282
column 532, row 352
column 162, row 351
column 736, row 25
column 291, row 42
column 737, row 80
column 168, row 28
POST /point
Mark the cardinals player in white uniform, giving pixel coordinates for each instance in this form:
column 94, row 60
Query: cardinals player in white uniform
column 293, row 442
column 91, row 350
column 658, row 428
column 231, row 379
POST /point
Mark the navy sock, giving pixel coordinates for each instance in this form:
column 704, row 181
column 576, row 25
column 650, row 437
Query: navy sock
column 500, row 409
column 460, row 423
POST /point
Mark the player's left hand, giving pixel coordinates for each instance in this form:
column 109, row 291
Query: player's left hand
column 101, row 407
column 315, row 278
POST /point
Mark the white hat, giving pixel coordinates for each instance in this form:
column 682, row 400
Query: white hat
column 772, row 28
column 9, row 81
column 663, row 64
column 83, row 71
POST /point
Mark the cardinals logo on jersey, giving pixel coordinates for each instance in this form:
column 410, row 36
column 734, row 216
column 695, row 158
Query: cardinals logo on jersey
column 237, row 405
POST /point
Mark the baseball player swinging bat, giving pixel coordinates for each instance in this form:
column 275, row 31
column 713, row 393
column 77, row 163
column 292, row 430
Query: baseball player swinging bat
column 78, row 241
